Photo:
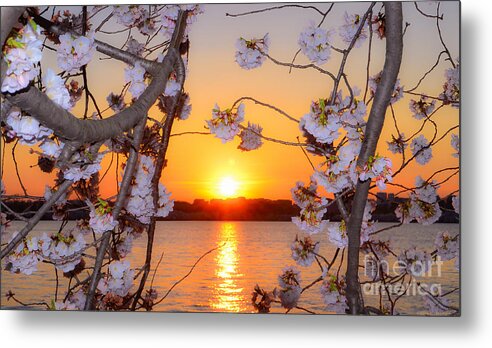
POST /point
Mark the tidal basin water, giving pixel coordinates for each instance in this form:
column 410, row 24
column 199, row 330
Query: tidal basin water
column 251, row 253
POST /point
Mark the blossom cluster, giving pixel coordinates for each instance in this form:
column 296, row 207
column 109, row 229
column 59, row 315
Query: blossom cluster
column 63, row 249
column 252, row 53
column 75, row 51
column 332, row 291
column 455, row 143
column 22, row 54
column 101, row 219
column 290, row 288
column 422, row 206
column 397, row 144
column 424, row 213
column 116, row 102
column 397, row 93
column 172, row 86
column 25, row 257
column 451, row 93
column 378, row 168
column 337, row 234
column 84, row 166
column 75, row 301
column 26, row 128
column 225, row 124
column 304, row 251
column 447, row 246
column 135, row 76
column 315, row 43
column 59, row 205
column 350, row 28
column 421, row 149
column 119, row 279
column 422, row 108
column 56, row 90
column 414, row 262
column 323, row 121
column 129, row 16
column 169, row 16
column 250, row 137
column 141, row 204
column 312, row 206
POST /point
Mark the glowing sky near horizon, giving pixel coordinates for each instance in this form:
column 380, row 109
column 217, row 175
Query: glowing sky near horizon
column 197, row 164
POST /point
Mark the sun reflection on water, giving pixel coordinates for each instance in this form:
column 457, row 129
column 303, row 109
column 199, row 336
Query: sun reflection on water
column 227, row 293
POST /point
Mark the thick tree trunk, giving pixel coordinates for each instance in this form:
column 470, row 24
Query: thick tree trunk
column 394, row 48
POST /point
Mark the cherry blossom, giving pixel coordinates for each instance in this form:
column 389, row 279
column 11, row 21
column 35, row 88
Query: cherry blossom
column 337, row 234
column 315, row 43
column 225, row 124
column 50, row 148
column 101, row 219
column 135, row 47
column 25, row 257
column 74, row 302
column 63, row 249
column 290, row 289
column 397, row 90
column 252, row 53
column 451, row 94
column 119, row 279
column 141, row 203
column 414, row 262
column 355, row 112
column 165, row 204
column 421, row 149
column 422, row 108
column 397, row 144
column 456, row 203
column 349, row 29
column 75, row 52
column 116, row 102
column 332, row 182
column 447, row 246
column 26, row 128
column 455, row 143
column 135, row 75
column 378, row 168
column 84, row 167
column 415, row 209
column 331, row 290
column 323, row 122
column 310, row 218
column 124, row 247
column 426, row 191
column 129, row 16
column 250, row 137
column 185, row 110
column 169, row 16
column 22, row 53
column 172, row 86
column 304, row 251
column 56, row 90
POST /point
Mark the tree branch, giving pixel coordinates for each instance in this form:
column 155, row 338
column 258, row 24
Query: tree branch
column 394, row 47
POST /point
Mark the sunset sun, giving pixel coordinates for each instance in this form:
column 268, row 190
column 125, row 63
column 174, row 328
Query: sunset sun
column 228, row 187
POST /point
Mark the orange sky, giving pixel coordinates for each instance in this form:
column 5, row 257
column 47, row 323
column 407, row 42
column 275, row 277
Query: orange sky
column 196, row 163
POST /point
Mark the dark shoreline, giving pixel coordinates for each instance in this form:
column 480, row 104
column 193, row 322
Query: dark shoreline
column 233, row 209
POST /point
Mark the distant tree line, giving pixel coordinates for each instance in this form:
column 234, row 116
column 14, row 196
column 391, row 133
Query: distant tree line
column 238, row 209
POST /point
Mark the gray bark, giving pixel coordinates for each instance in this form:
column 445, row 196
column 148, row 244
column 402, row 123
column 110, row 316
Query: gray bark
column 70, row 128
column 9, row 17
column 394, row 48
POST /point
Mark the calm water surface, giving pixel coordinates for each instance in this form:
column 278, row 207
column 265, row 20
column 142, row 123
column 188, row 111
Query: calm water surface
column 252, row 253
